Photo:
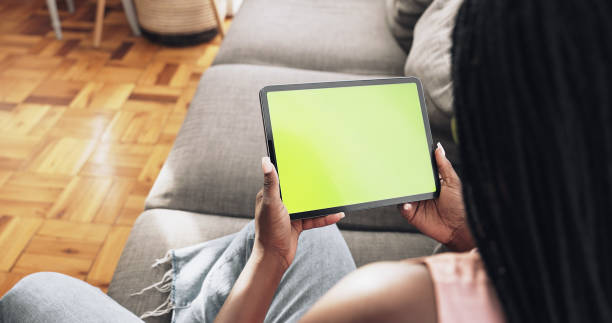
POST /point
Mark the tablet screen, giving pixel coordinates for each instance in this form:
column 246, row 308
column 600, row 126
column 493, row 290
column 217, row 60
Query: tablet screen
column 352, row 145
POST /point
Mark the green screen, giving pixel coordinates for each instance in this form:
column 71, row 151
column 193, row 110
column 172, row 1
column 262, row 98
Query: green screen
column 349, row 145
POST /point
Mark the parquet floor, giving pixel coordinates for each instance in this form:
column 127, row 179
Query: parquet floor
column 83, row 134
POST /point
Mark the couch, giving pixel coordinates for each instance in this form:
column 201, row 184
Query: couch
column 207, row 186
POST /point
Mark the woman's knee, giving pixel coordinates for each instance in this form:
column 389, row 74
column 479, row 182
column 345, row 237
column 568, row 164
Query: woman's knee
column 37, row 285
column 324, row 241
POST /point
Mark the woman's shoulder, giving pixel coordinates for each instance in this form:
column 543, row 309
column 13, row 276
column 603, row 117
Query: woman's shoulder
column 381, row 292
column 462, row 288
column 452, row 266
column 449, row 287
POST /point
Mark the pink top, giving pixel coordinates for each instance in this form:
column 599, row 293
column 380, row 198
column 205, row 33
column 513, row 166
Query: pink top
column 463, row 290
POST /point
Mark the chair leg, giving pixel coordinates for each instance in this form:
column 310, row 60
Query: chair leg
column 70, row 5
column 55, row 22
column 99, row 21
column 130, row 14
column 218, row 18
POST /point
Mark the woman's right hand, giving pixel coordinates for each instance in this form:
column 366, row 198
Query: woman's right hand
column 443, row 218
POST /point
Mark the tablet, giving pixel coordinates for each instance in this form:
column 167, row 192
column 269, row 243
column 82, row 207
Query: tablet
column 349, row 145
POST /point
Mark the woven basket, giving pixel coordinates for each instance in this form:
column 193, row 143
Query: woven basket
column 178, row 22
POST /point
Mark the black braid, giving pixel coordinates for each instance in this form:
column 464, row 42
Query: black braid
column 533, row 100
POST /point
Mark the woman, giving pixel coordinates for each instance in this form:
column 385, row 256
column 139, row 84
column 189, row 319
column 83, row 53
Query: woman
column 532, row 84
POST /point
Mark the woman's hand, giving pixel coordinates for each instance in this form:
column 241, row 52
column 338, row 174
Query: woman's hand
column 276, row 238
column 276, row 234
column 442, row 219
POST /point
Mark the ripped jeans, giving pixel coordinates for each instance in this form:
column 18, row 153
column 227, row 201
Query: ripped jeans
column 53, row 297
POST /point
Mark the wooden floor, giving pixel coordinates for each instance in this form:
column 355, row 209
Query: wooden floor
column 83, row 134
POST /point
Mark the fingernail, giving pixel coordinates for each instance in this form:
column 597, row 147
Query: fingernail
column 266, row 164
column 342, row 215
column 407, row 206
column 441, row 149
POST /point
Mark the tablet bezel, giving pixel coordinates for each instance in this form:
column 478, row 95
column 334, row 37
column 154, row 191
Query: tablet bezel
column 263, row 98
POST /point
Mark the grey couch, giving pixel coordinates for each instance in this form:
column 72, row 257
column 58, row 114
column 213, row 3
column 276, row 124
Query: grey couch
column 207, row 186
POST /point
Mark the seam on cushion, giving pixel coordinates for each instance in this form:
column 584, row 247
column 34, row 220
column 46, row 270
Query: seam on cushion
column 347, row 227
column 197, row 212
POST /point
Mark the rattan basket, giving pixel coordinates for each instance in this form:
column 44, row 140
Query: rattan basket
column 178, row 22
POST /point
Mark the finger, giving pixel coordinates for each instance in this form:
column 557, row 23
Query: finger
column 407, row 210
column 445, row 168
column 323, row 221
column 270, row 189
column 259, row 198
column 306, row 224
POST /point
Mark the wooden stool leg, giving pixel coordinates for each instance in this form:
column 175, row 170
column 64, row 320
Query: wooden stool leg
column 128, row 7
column 99, row 21
column 55, row 22
column 70, row 5
column 218, row 17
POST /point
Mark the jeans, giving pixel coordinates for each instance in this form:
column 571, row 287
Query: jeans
column 321, row 260
column 53, row 297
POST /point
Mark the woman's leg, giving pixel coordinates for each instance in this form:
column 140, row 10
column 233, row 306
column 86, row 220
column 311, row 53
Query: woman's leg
column 322, row 259
column 53, row 297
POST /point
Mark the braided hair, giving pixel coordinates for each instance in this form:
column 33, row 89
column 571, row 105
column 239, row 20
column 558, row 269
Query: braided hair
column 533, row 102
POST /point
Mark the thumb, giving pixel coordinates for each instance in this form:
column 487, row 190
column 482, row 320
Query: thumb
column 445, row 168
column 270, row 190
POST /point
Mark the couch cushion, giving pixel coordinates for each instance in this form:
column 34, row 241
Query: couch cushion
column 371, row 246
column 156, row 231
column 348, row 36
column 402, row 15
column 430, row 59
column 215, row 164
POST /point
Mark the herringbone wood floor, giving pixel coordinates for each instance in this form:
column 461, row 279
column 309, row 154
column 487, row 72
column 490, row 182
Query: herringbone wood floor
column 83, row 134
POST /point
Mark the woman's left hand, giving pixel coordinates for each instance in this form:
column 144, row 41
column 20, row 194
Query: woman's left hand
column 276, row 235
